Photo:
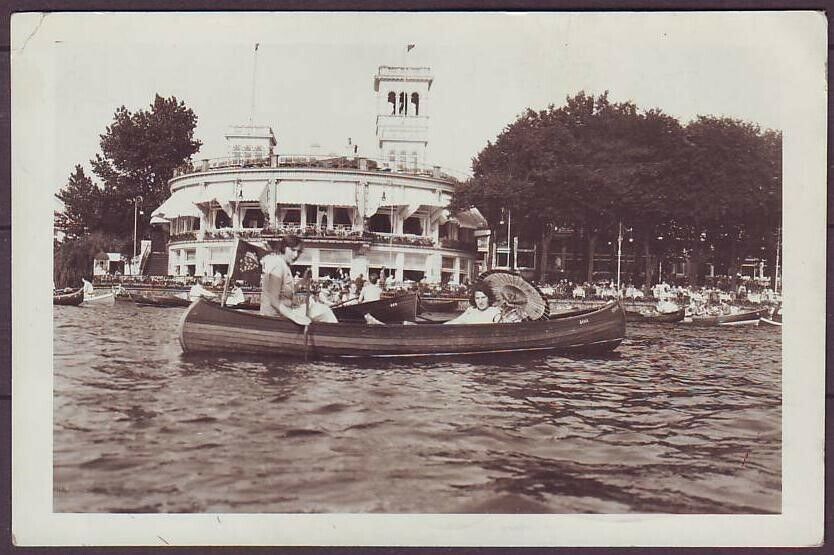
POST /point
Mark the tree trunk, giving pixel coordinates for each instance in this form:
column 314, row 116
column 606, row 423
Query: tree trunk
column 649, row 261
column 490, row 247
column 541, row 267
column 591, row 242
column 693, row 265
column 733, row 266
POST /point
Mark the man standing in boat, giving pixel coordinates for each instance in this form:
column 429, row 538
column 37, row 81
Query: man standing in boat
column 278, row 285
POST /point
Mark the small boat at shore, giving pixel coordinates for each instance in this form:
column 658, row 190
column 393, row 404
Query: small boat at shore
column 160, row 301
column 773, row 318
column 748, row 318
column 71, row 298
column 98, row 297
column 208, row 327
column 656, row 317
column 391, row 310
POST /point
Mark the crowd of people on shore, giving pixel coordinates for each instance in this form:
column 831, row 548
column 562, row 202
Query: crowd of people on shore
column 342, row 288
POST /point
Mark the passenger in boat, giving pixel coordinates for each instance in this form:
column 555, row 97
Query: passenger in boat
column 481, row 311
column 371, row 291
column 278, row 285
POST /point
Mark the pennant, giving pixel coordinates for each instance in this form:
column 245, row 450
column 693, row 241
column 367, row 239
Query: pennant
column 246, row 263
column 409, row 48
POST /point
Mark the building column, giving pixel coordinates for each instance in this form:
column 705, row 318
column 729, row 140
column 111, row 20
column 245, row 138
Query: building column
column 303, row 216
column 399, row 266
column 236, row 217
column 315, row 259
column 456, row 276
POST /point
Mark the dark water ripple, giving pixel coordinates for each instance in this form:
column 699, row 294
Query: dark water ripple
column 677, row 420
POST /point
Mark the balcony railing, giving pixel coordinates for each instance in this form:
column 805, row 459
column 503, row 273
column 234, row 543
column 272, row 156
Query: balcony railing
column 338, row 234
column 459, row 245
column 328, row 161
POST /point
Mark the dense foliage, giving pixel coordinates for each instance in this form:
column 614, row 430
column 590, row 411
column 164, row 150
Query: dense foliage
column 139, row 152
column 710, row 187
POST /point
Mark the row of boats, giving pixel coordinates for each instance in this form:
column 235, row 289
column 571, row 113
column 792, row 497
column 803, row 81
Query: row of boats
column 410, row 329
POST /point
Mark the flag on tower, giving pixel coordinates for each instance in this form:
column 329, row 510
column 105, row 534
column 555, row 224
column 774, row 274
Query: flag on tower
column 257, row 44
column 409, row 47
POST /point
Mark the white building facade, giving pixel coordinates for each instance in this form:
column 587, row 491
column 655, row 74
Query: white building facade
column 357, row 215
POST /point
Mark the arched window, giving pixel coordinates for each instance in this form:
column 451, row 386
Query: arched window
column 414, row 159
column 415, row 101
column 259, row 151
column 403, row 160
column 403, row 104
column 392, row 156
column 236, row 153
column 247, row 152
column 392, row 100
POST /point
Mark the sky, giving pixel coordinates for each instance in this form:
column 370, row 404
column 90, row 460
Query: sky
column 314, row 74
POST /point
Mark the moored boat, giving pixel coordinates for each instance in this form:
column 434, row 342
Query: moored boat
column 208, row 327
column 656, row 317
column 748, row 318
column 73, row 298
column 161, row 301
column 390, row 310
column 774, row 317
column 98, row 297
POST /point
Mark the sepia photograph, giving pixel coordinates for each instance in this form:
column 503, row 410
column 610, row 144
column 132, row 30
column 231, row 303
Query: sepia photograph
column 418, row 278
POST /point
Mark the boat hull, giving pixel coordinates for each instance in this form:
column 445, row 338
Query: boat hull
column 69, row 299
column 160, row 301
column 659, row 318
column 207, row 327
column 741, row 319
column 392, row 310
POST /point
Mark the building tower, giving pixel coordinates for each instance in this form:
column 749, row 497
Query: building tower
column 402, row 121
column 250, row 142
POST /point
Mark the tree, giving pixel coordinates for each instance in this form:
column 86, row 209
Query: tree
column 587, row 165
column 139, row 153
column 730, row 190
column 73, row 259
column 82, row 204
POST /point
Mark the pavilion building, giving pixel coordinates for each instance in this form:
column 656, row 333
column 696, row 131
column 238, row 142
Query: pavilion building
column 356, row 214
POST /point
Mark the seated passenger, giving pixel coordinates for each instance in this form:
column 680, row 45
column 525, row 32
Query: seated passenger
column 278, row 286
column 481, row 311
column 371, row 290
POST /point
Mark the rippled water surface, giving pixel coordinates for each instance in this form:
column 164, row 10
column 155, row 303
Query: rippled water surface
column 677, row 420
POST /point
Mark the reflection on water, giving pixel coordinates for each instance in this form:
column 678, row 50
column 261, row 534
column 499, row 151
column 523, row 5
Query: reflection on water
column 677, row 420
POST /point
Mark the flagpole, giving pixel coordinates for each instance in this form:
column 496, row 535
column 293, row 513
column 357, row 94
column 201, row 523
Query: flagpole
column 254, row 76
column 230, row 272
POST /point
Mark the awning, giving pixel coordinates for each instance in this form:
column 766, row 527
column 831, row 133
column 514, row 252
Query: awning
column 315, row 192
column 470, row 219
column 178, row 205
column 158, row 220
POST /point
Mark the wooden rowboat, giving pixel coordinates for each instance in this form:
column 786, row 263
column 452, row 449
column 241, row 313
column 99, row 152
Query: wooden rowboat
column 392, row 310
column 208, row 327
column 160, row 301
column 71, row 299
column 750, row 318
column 656, row 317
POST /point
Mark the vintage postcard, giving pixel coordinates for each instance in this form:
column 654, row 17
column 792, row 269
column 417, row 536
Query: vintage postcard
column 429, row 279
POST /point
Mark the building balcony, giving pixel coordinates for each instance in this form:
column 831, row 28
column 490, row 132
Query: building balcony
column 456, row 244
column 318, row 161
column 337, row 234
